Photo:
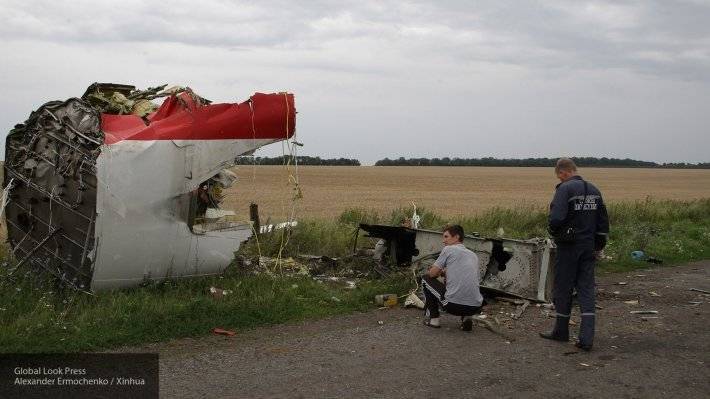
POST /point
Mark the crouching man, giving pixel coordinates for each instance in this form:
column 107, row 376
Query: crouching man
column 460, row 295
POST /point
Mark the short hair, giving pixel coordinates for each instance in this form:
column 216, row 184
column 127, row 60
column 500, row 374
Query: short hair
column 455, row 230
column 565, row 164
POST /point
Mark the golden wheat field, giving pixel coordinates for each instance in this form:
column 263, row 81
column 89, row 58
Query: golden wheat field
column 449, row 191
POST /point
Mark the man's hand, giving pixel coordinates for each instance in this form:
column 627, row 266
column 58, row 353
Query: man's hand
column 435, row 271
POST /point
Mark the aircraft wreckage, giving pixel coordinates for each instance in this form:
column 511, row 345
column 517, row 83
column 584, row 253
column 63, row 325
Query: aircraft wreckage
column 110, row 190
column 523, row 268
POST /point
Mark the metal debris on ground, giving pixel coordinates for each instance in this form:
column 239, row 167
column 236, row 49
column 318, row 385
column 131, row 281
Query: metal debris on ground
column 633, row 302
column 523, row 268
column 644, row 312
column 388, row 300
column 521, row 309
column 220, row 331
column 510, row 300
column 490, row 327
column 653, row 293
column 699, row 290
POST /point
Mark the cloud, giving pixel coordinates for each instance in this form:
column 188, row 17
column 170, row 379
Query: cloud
column 503, row 78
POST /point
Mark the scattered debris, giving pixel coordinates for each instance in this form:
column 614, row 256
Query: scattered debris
column 584, row 364
column 380, row 322
column 598, row 307
column 622, row 283
column 271, row 227
column 521, row 309
column 514, row 301
column 632, row 302
column 641, row 256
column 219, row 293
column 653, row 293
column 219, row 331
column 412, row 300
column 699, row 290
column 694, row 303
column 489, row 326
column 616, row 292
column 388, row 300
column 644, row 312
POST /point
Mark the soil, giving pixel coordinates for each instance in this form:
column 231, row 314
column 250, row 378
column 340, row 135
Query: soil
column 329, row 190
column 389, row 353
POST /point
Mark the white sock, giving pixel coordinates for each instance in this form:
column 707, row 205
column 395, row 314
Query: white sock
column 434, row 321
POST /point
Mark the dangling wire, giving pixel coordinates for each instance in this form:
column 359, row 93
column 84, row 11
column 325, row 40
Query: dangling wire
column 292, row 179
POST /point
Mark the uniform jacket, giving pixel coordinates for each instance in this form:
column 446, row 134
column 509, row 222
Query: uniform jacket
column 591, row 221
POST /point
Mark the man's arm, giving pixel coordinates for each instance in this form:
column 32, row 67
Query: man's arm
column 602, row 226
column 558, row 210
column 439, row 266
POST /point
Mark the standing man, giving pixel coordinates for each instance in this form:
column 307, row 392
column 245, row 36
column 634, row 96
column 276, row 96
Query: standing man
column 461, row 295
column 579, row 223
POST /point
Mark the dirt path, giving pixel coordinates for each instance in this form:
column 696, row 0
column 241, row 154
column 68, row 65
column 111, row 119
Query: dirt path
column 355, row 356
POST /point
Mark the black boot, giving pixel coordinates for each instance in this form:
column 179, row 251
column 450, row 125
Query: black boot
column 560, row 332
column 586, row 332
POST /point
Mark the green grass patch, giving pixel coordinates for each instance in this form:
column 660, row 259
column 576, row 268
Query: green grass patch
column 34, row 317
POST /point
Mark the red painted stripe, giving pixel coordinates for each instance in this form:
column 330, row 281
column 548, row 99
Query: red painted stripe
column 264, row 116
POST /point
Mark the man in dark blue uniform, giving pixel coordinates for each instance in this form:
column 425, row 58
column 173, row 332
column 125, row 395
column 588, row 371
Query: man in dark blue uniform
column 579, row 223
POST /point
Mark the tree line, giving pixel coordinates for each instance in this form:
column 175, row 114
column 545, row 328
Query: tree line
column 302, row 160
column 603, row 162
column 546, row 162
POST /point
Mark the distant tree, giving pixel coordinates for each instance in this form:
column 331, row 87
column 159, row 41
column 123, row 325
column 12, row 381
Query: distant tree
column 302, row 160
column 603, row 162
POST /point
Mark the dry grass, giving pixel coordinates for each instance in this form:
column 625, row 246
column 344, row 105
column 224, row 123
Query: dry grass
column 448, row 191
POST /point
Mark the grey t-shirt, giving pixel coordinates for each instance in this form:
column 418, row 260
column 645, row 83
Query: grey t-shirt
column 462, row 277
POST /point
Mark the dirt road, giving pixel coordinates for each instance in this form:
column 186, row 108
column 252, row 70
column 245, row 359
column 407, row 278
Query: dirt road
column 356, row 356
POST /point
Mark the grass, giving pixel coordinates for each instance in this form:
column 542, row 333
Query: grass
column 671, row 230
column 37, row 317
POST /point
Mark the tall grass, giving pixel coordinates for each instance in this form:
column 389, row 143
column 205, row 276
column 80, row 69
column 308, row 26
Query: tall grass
column 674, row 231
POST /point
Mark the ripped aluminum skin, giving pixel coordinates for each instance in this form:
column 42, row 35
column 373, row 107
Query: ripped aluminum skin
column 98, row 216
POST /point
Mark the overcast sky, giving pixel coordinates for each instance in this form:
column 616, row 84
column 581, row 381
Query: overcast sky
column 377, row 79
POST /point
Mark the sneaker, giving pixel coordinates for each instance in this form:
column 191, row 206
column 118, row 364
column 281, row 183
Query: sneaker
column 467, row 324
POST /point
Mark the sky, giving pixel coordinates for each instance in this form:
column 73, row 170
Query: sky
column 376, row 79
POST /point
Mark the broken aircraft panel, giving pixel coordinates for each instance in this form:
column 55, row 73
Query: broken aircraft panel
column 523, row 268
column 107, row 200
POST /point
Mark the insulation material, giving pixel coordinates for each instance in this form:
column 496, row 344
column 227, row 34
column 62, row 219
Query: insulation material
column 109, row 200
